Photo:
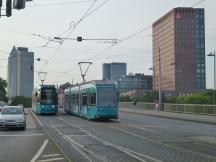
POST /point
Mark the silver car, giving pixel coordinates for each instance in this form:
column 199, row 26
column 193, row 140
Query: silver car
column 13, row 117
column 2, row 104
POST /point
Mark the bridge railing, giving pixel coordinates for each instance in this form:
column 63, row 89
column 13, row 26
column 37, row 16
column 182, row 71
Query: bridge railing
column 140, row 105
column 180, row 108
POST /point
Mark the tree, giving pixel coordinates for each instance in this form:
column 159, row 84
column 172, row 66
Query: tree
column 150, row 97
column 3, row 92
column 25, row 101
column 125, row 99
column 206, row 97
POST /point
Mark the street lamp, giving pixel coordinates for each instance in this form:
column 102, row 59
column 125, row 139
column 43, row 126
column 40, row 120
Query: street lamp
column 159, row 66
column 153, row 77
column 159, row 71
column 213, row 54
column 159, row 80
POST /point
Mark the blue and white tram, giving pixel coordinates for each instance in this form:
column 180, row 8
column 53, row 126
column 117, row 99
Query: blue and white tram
column 93, row 100
column 45, row 100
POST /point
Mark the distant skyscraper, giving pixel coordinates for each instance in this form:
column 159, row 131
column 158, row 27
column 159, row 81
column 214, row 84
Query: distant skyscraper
column 179, row 44
column 20, row 72
column 114, row 71
column 135, row 82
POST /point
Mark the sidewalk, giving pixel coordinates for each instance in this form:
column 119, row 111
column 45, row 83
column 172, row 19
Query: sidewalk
column 171, row 115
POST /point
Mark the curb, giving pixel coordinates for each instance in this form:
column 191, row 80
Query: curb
column 51, row 139
column 170, row 117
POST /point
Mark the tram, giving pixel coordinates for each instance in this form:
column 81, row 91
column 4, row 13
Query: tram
column 45, row 100
column 93, row 100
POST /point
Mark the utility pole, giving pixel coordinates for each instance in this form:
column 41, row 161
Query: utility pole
column 159, row 78
column 83, row 74
column 213, row 54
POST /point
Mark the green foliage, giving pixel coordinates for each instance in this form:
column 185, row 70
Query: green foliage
column 3, row 92
column 25, row 101
column 171, row 99
column 206, row 97
column 125, row 99
column 150, row 97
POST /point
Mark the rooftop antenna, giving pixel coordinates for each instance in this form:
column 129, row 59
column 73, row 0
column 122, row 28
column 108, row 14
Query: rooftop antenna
column 83, row 74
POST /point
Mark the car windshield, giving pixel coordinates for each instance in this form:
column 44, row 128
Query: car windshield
column 12, row 110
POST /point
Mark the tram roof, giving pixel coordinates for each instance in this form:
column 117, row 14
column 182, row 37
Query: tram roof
column 90, row 84
column 100, row 82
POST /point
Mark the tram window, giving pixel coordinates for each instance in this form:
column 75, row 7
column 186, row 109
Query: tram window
column 84, row 100
column 107, row 96
column 76, row 100
column 49, row 96
column 93, row 99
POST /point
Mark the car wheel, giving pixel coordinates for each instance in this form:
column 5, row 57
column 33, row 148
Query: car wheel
column 23, row 128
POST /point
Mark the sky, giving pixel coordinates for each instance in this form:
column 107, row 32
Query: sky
column 128, row 21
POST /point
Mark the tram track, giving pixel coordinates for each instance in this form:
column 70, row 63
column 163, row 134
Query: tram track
column 88, row 154
column 165, row 144
column 67, row 127
column 138, row 156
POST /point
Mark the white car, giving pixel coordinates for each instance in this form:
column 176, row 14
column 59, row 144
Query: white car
column 13, row 117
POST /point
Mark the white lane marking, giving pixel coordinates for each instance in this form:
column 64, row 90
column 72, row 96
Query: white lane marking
column 125, row 150
column 65, row 138
column 167, row 145
column 149, row 130
column 85, row 150
column 51, row 155
column 50, row 160
column 79, row 135
column 31, row 127
column 20, row 135
column 40, row 151
column 208, row 139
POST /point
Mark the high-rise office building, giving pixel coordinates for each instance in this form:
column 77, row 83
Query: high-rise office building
column 179, row 51
column 20, row 72
column 135, row 82
column 113, row 71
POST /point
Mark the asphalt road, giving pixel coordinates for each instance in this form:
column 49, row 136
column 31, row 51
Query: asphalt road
column 131, row 138
column 30, row 145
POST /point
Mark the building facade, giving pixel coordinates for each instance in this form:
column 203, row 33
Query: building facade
column 179, row 52
column 135, row 84
column 61, row 90
column 20, row 72
column 113, row 71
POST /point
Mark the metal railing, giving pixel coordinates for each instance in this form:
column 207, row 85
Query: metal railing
column 191, row 108
column 139, row 105
column 180, row 108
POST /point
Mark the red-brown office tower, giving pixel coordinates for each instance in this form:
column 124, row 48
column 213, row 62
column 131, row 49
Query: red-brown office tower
column 179, row 52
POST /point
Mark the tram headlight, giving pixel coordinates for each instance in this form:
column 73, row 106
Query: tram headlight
column 53, row 106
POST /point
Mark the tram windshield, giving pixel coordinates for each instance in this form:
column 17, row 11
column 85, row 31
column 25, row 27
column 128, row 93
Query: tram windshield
column 48, row 96
column 107, row 96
